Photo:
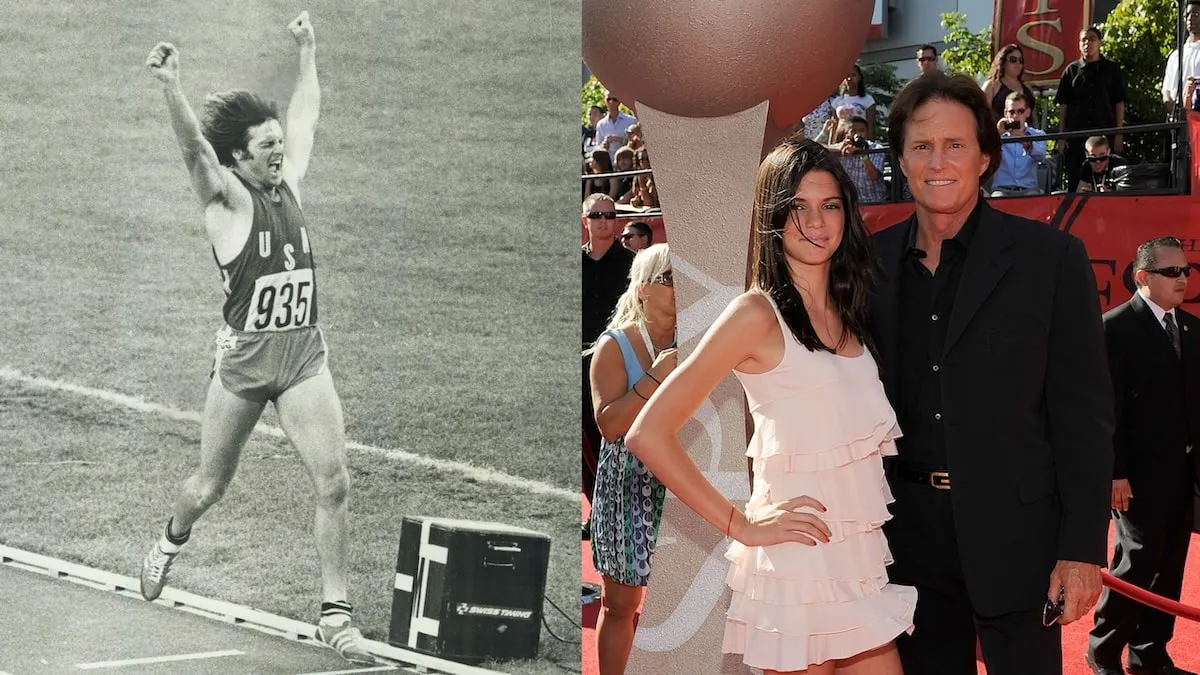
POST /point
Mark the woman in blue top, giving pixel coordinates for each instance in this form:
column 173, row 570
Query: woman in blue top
column 631, row 358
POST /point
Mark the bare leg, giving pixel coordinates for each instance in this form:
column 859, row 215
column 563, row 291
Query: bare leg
column 228, row 421
column 883, row 660
column 614, row 626
column 311, row 416
column 816, row 669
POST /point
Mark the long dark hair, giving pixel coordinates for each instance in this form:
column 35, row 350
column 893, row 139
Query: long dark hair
column 229, row 116
column 861, row 90
column 997, row 70
column 601, row 157
column 853, row 268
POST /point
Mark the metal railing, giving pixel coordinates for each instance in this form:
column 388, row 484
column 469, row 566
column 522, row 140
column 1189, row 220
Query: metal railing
column 1177, row 159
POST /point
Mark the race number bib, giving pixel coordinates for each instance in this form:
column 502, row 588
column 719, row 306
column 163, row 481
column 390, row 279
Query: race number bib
column 281, row 301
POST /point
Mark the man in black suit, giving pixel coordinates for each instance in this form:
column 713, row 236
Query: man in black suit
column 992, row 353
column 606, row 267
column 1154, row 358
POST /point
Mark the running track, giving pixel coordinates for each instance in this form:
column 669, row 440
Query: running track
column 55, row 626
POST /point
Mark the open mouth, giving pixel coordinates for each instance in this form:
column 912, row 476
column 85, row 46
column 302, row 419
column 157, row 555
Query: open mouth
column 939, row 183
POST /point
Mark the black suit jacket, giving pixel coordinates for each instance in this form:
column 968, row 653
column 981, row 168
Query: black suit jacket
column 1157, row 398
column 1027, row 405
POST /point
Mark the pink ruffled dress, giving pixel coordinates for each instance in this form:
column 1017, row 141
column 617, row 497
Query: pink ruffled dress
column 822, row 424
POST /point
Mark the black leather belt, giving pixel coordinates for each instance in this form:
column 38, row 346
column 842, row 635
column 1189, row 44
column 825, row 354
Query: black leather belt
column 934, row 478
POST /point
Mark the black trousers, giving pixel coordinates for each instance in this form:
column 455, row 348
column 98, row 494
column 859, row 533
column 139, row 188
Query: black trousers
column 1149, row 551
column 943, row 641
column 1073, row 161
column 591, row 434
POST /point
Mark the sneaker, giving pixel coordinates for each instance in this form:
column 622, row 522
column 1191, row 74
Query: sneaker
column 347, row 641
column 154, row 571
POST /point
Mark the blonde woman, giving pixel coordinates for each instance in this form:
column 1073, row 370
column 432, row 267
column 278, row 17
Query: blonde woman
column 630, row 358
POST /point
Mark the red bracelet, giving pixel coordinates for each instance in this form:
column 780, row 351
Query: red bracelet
column 730, row 523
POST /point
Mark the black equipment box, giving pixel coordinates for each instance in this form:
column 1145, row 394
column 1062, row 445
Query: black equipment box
column 469, row 591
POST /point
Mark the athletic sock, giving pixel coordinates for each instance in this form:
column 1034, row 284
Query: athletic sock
column 336, row 613
column 171, row 543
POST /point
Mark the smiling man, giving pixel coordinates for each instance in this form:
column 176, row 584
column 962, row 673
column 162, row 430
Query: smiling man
column 992, row 354
column 245, row 168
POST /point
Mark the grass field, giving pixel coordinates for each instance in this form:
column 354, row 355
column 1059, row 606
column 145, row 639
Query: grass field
column 441, row 181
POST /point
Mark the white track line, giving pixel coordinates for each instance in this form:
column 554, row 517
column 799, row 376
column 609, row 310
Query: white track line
column 157, row 659
column 219, row 610
column 478, row 473
column 376, row 669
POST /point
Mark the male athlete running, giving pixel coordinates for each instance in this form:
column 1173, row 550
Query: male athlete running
column 247, row 178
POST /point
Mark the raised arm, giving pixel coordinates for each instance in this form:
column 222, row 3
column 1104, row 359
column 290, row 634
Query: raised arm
column 208, row 179
column 305, row 106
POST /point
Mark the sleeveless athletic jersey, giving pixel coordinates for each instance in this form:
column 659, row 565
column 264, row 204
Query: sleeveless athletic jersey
column 271, row 285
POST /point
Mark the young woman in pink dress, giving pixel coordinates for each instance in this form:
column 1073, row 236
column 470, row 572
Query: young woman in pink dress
column 808, row 564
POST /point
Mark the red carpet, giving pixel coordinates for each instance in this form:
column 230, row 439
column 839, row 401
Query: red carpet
column 1184, row 648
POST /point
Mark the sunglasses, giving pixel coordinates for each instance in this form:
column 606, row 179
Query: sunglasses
column 607, row 215
column 1172, row 272
column 630, row 235
column 1097, row 158
column 926, row 59
column 664, row 279
column 1053, row 611
column 1014, row 59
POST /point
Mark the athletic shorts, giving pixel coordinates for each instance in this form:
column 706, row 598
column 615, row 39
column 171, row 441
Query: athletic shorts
column 261, row 366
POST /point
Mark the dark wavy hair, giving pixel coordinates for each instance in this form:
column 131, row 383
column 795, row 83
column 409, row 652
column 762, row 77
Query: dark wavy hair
column 853, row 268
column 997, row 70
column 862, row 85
column 227, row 120
column 941, row 87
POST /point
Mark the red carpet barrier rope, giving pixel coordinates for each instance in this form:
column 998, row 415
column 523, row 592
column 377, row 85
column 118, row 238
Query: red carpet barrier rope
column 1147, row 598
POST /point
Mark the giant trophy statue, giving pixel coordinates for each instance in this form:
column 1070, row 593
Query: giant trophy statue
column 715, row 84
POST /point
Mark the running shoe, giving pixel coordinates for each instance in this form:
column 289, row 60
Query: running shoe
column 155, row 566
column 347, row 641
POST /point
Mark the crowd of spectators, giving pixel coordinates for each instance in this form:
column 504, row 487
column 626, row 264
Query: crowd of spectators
column 1090, row 96
column 613, row 144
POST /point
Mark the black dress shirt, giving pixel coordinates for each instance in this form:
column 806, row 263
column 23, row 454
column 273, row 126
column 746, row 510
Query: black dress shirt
column 1091, row 92
column 926, row 300
column 604, row 281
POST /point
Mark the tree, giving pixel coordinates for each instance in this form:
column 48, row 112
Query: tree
column 881, row 82
column 1139, row 35
column 592, row 94
column 967, row 53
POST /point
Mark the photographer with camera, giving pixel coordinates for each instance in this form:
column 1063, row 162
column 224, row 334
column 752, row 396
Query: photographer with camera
column 1017, row 174
column 851, row 143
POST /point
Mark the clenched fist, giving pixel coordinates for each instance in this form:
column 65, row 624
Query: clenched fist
column 163, row 62
column 302, row 30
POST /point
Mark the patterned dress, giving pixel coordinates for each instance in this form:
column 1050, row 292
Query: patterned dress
column 628, row 500
column 821, row 426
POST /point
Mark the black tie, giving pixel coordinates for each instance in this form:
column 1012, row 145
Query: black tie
column 1169, row 320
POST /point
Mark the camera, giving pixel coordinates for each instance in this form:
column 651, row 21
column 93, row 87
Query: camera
column 859, row 142
column 1012, row 125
